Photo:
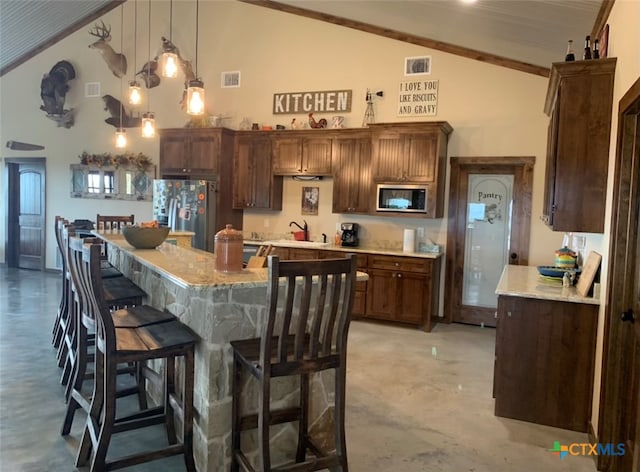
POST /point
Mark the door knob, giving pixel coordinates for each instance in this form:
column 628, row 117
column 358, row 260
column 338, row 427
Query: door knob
column 513, row 256
column 628, row 316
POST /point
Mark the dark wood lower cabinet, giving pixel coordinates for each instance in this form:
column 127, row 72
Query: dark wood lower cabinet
column 400, row 289
column 545, row 352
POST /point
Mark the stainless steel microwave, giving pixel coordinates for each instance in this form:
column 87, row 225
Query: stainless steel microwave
column 402, row 198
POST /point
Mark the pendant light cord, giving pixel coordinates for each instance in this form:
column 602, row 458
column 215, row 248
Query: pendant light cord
column 197, row 16
column 149, row 62
column 171, row 21
column 135, row 37
column 121, row 77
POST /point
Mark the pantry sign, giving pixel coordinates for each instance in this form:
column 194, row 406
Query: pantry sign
column 418, row 98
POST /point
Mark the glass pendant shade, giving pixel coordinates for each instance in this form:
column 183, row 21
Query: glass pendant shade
column 121, row 138
column 195, row 97
column 135, row 93
column 169, row 65
column 148, row 125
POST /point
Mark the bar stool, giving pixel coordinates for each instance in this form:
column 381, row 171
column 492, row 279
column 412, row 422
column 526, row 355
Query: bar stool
column 134, row 317
column 305, row 332
column 120, row 292
column 165, row 341
column 63, row 308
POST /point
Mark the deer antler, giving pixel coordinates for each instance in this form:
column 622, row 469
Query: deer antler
column 101, row 31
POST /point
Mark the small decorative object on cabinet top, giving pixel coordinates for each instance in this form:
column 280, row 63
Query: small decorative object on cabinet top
column 321, row 123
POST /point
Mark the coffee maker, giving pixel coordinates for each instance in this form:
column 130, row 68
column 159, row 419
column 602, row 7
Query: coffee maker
column 349, row 234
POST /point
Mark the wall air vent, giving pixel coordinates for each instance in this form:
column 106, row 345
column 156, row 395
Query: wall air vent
column 92, row 89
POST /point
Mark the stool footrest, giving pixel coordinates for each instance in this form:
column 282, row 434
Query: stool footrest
column 143, row 457
column 284, row 415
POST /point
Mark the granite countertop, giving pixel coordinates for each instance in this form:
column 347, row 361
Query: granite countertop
column 525, row 281
column 189, row 267
column 332, row 247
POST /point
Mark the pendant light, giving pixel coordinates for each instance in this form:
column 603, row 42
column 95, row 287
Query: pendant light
column 195, row 92
column 135, row 92
column 121, row 134
column 169, row 58
column 148, row 118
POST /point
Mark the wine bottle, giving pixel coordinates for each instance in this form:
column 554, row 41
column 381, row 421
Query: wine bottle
column 596, row 49
column 570, row 55
column 587, row 48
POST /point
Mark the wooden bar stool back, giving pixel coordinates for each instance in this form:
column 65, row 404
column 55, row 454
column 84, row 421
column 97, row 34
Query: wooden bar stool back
column 63, row 308
column 305, row 332
column 112, row 222
column 163, row 341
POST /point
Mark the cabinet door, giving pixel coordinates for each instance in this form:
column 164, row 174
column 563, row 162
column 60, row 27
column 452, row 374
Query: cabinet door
column 267, row 188
column 414, row 295
column 243, row 175
column 537, row 343
column 351, row 175
column 389, row 153
column 316, row 156
column 173, row 154
column 204, row 153
column 382, row 294
column 422, row 155
column 287, row 156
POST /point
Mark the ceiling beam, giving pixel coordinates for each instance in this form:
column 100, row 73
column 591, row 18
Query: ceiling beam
column 405, row 37
column 61, row 35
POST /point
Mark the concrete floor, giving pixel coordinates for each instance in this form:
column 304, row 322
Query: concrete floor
column 416, row 402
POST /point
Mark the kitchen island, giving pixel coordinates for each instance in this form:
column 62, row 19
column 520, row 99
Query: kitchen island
column 219, row 307
column 545, row 350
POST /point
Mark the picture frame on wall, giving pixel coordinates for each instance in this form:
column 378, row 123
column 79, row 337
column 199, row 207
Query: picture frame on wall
column 310, row 199
column 603, row 40
column 417, row 65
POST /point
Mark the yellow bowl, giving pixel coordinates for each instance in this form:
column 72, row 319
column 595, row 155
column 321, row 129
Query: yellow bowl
column 145, row 238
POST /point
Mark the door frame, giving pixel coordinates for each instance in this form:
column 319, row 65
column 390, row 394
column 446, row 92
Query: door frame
column 12, row 197
column 522, row 169
column 615, row 360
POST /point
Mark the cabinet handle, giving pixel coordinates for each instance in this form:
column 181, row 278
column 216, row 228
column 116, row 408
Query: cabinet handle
column 495, row 315
column 509, row 314
column 397, row 264
column 399, row 276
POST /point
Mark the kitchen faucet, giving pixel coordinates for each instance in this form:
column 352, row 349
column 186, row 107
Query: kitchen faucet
column 305, row 229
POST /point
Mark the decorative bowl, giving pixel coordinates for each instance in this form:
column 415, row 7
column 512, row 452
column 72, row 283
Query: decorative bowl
column 145, row 238
column 558, row 272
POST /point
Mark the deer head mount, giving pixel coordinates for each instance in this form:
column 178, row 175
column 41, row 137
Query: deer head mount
column 117, row 62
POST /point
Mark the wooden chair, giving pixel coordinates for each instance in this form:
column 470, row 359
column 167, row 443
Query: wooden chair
column 113, row 221
column 164, row 341
column 134, row 317
column 305, row 332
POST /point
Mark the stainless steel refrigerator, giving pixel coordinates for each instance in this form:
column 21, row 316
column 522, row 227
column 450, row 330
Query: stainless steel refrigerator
column 187, row 205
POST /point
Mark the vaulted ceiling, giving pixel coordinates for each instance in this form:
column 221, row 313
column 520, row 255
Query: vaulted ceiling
column 526, row 35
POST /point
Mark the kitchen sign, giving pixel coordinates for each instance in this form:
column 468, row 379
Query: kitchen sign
column 418, row 98
column 291, row 103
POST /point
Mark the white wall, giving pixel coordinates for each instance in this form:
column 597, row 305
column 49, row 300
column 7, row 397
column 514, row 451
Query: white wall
column 494, row 111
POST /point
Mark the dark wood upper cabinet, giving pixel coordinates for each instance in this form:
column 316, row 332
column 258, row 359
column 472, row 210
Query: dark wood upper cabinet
column 302, row 152
column 579, row 100
column 351, row 165
column 254, row 185
column 412, row 153
column 194, row 151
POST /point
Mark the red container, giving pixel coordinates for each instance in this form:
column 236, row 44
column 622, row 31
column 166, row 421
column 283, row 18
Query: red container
column 298, row 235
